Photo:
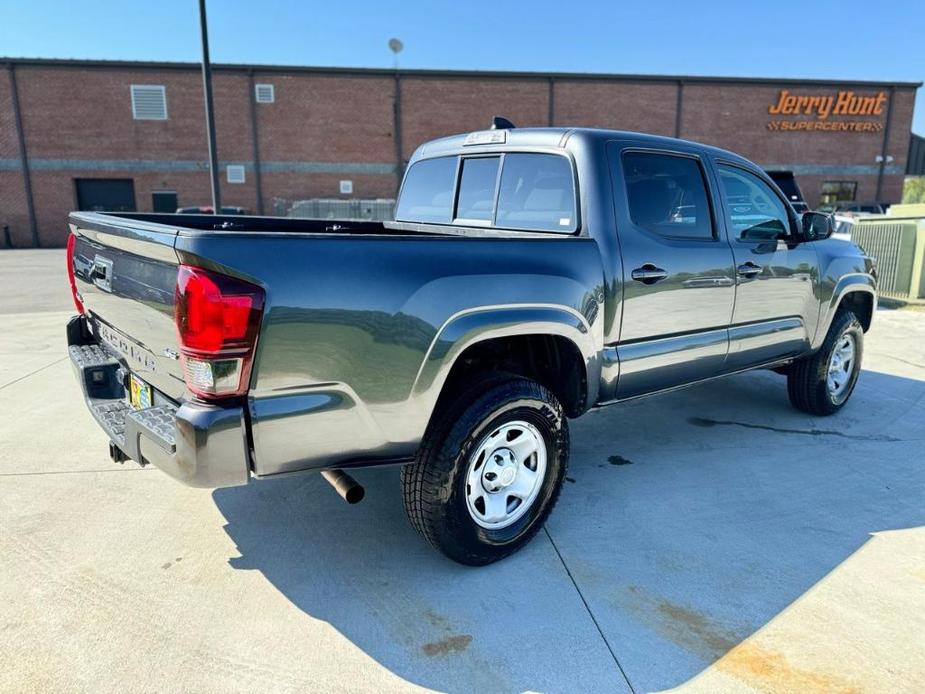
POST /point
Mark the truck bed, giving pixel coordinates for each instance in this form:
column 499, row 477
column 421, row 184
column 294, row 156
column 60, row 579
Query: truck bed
column 248, row 223
column 361, row 320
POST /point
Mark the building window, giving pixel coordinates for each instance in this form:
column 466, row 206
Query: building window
column 149, row 102
column 836, row 191
column 105, row 194
column 164, row 201
column 234, row 173
column 264, row 93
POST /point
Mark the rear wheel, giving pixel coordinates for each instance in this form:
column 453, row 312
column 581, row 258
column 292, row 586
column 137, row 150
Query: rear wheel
column 489, row 470
column 822, row 383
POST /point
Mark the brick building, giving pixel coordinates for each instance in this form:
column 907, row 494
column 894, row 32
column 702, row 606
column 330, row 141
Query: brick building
column 129, row 135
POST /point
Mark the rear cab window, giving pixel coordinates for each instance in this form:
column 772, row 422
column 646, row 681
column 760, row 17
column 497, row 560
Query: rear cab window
column 523, row 191
column 427, row 193
column 478, row 181
column 537, row 192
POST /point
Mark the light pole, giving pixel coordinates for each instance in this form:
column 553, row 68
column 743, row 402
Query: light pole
column 210, row 115
column 396, row 46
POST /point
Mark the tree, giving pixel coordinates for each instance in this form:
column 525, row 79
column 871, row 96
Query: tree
column 914, row 190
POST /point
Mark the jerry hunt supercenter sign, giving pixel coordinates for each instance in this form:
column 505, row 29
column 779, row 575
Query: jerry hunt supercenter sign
column 821, row 107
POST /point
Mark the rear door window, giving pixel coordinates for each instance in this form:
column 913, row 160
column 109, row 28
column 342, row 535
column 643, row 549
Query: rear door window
column 537, row 193
column 477, row 184
column 427, row 194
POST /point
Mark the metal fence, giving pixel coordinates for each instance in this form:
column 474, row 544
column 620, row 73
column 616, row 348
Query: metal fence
column 899, row 247
column 376, row 210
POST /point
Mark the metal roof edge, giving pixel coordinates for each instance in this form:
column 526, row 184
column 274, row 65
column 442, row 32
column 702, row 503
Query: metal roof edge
column 451, row 74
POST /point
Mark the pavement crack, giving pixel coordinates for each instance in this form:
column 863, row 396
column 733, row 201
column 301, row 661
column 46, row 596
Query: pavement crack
column 590, row 613
column 703, row 422
column 32, row 373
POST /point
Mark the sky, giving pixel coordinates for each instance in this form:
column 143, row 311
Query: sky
column 821, row 39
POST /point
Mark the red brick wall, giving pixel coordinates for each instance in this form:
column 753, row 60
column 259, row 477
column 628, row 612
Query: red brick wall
column 87, row 115
column 13, row 211
column 900, row 131
column 735, row 117
column 327, row 118
column 84, row 113
column 642, row 107
column 432, row 107
column 9, row 148
column 811, row 186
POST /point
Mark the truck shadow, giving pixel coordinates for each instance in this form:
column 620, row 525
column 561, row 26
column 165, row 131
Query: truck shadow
column 686, row 533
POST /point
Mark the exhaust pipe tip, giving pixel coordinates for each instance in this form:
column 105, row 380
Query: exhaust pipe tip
column 355, row 494
column 346, row 487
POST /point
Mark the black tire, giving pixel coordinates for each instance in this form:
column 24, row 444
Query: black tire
column 434, row 487
column 806, row 380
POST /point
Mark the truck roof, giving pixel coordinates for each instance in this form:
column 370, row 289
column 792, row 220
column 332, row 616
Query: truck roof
column 552, row 137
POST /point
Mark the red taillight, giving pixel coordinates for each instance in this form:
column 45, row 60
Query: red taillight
column 218, row 320
column 70, row 273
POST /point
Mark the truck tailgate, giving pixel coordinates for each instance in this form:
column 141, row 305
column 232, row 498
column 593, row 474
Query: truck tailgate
column 126, row 277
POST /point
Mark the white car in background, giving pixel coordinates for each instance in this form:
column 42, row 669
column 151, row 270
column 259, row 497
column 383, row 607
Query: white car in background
column 843, row 224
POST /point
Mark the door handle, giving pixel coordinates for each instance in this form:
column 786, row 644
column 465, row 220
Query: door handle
column 748, row 269
column 648, row 274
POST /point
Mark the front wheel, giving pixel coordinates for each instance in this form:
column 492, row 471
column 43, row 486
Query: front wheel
column 489, row 470
column 822, row 383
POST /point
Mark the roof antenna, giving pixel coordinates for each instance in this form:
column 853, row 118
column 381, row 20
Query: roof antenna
column 501, row 123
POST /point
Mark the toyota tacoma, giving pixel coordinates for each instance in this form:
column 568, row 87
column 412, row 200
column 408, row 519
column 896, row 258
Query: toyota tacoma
column 529, row 275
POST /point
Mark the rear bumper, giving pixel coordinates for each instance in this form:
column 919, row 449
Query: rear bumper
column 198, row 444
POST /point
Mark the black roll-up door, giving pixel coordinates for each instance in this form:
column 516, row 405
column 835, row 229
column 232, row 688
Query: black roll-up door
column 164, row 201
column 105, row 194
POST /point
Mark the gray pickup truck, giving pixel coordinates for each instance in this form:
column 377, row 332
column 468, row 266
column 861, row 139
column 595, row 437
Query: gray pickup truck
column 529, row 276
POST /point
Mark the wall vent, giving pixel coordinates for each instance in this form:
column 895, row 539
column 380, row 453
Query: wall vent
column 149, row 102
column 264, row 93
column 234, row 173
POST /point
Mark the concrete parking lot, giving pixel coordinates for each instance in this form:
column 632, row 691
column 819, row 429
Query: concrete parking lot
column 712, row 539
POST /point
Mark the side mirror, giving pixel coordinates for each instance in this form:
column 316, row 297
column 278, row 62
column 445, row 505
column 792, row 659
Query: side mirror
column 817, row 226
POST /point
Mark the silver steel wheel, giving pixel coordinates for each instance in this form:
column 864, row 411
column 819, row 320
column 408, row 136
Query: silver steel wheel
column 841, row 366
column 505, row 475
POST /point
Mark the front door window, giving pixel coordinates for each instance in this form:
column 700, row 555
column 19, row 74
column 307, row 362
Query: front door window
column 753, row 211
